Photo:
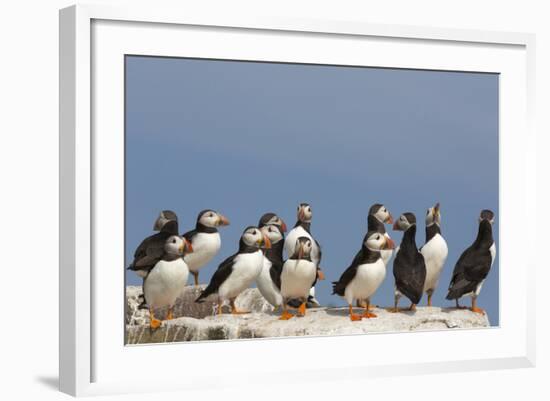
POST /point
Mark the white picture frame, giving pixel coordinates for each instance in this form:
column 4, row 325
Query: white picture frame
column 92, row 41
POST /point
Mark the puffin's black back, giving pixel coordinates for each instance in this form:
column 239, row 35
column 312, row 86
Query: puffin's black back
column 364, row 256
column 474, row 264
column 409, row 268
column 151, row 247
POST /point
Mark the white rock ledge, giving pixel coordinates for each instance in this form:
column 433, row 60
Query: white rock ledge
column 263, row 323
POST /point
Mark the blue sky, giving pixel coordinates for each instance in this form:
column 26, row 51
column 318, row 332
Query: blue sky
column 246, row 138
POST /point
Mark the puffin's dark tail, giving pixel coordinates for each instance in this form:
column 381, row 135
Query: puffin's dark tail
column 207, row 292
column 337, row 288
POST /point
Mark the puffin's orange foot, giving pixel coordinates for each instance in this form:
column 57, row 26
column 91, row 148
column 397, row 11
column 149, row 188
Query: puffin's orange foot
column 302, row 309
column 286, row 315
column 155, row 323
column 478, row 310
column 394, row 310
column 354, row 317
column 320, row 275
column 368, row 315
column 170, row 315
column 460, row 307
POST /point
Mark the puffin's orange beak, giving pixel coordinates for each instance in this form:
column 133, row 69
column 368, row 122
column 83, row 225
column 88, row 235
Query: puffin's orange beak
column 188, row 246
column 266, row 241
column 222, row 220
column 301, row 214
column 389, row 220
column 283, row 226
column 300, row 252
column 395, row 226
column 389, row 244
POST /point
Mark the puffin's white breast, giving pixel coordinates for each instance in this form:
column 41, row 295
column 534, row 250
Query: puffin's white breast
column 165, row 282
column 246, row 268
column 290, row 243
column 205, row 247
column 266, row 286
column 297, row 278
column 435, row 253
column 366, row 281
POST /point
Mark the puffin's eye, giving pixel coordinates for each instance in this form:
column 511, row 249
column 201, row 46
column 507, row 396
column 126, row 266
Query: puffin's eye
column 377, row 237
column 211, row 215
column 174, row 241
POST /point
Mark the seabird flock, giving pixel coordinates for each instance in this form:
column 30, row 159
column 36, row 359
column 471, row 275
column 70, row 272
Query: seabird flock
column 165, row 259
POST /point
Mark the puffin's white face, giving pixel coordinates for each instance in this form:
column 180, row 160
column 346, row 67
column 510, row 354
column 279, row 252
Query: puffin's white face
column 384, row 215
column 303, row 247
column 304, row 213
column 277, row 221
column 433, row 215
column 377, row 241
column 175, row 245
column 273, row 233
column 213, row 219
column 253, row 236
column 402, row 224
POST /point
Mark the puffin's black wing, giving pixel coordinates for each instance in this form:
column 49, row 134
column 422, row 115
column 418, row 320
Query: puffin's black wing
column 275, row 273
column 151, row 248
column 471, row 268
column 220, row 275
column 339, row 287
column 190, row 234
column 410, row 275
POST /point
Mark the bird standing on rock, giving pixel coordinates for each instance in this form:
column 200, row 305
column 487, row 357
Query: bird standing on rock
column 473, row 266
column 302, row 228
column 167, row 276
column 409, row 268
column 205, row 239
column 435, row 251
column 153, row 246
column 238, row 272
column 367, row 271
column 298, row 273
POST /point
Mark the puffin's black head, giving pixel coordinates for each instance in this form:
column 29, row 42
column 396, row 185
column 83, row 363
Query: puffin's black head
column 211, row 218
column 272, row 218
column 405, row 221
column 433, row 215
column 273, row 232
column 379, row 211
column 376, row 241
column 304, row 213
column 302, row 250
column 253, row 236
column 167, row 221
column 176, row 245
column 488, row 215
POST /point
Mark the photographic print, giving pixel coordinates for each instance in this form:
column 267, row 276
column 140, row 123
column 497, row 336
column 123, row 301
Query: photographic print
column 267, row 199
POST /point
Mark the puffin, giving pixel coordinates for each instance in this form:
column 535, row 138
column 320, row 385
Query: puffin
column 205, row 239
column 434, row 250
column 299, row 271
column 474, row 264
column 409, row 267
column 238, row 272
column 272, row 218
column 302, row 228
column 167, row 225
column 269, row 280
column 378, row 216
column 365, row 274
column 166, row 278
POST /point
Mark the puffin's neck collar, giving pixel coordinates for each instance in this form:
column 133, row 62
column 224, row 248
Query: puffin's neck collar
column 205, row 229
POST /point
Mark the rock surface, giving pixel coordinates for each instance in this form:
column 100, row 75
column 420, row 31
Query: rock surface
column 196, row 321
